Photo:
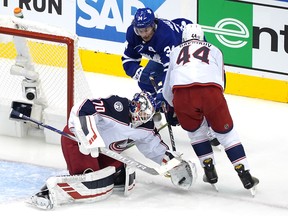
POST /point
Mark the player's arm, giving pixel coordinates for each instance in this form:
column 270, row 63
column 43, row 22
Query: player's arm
column 83, row 124
column 131, row 61
column 131, row 58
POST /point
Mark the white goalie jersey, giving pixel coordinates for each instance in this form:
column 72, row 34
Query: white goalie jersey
column 113, row 125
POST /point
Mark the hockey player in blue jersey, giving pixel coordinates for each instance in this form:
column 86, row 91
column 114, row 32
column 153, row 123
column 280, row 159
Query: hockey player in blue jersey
column 153, row 38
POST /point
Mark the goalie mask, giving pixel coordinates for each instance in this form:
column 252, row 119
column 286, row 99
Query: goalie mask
column 142, row 108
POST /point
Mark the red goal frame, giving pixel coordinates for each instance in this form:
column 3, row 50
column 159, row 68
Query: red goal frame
column 54, row 38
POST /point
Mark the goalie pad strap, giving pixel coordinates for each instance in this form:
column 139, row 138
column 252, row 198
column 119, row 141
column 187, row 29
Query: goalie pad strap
column 88, row 187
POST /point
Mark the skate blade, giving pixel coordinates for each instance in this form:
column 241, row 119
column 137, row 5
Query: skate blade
column 253, row 191
column 40, row 203
column 214, row 186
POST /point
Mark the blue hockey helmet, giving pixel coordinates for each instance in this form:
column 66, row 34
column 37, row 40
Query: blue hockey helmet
column 143, row 18
column 142, row 108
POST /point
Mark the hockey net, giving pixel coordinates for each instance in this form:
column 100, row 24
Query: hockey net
column 40, row 65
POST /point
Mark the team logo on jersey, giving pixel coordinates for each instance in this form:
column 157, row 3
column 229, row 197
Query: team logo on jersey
column 151, row 49
column 118, row 106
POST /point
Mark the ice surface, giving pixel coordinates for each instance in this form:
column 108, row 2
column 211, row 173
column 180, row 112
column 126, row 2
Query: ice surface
column 262, row 126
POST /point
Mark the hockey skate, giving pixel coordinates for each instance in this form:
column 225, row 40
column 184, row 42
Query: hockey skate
column 210, row 175
column 249, row 182
column 41, row 200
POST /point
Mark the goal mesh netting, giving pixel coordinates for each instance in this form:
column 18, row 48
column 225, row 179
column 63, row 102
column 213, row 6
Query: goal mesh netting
column 51, row 54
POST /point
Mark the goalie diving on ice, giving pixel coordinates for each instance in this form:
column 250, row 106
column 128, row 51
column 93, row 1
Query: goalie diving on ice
column 100, row 129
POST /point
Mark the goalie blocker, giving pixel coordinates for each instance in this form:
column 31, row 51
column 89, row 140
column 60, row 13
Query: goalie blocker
column 86, row 188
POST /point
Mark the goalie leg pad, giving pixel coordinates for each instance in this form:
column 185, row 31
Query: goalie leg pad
column 184, row 175
column 90, row 187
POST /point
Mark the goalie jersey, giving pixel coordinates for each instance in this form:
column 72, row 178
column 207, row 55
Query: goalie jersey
column 113, row 122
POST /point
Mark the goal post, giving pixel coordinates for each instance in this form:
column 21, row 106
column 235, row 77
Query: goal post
column 70, row 56
column 39, row 65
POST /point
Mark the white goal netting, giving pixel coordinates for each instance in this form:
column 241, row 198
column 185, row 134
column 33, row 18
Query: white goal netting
column 39, row 65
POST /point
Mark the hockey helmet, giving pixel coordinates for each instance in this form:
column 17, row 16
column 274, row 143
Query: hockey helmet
column 142, row 108
column 143, row 18
column 192, row 32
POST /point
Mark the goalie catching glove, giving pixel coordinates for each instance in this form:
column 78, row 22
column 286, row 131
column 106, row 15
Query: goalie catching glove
column 183, row 173
column 85, row 130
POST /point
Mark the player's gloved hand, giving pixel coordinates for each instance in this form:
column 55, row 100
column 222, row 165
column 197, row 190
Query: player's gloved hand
column 89, row 138
column 138, row 74
column 142, row 76
column 159, row 101
column 83, row 149
column 145, row 77
column 171, row 116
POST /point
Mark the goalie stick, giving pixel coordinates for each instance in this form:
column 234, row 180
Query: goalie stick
column 124, row 159
column 132, row 143
column 165, row 113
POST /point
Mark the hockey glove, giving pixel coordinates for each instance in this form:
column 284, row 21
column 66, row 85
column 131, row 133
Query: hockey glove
column 159, row 101
column 145, row 77
column 142, row 76
column 89, row 138
column 171, row 116
column 138, row 74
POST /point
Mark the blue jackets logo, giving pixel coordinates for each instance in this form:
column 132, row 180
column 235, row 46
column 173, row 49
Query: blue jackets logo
column 108, row 19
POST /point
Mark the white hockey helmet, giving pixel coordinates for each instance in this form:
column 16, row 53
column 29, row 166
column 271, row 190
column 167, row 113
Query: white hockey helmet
column 192, row 32
column 142, row 108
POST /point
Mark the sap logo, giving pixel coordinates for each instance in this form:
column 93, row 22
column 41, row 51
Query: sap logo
column 108, row 19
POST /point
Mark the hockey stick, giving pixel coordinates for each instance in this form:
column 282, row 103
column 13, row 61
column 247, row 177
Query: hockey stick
column 132, row 143
column 126, row 160
column 165, row 113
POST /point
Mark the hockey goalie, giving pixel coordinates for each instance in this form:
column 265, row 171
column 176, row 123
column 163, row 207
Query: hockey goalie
column 113, row 123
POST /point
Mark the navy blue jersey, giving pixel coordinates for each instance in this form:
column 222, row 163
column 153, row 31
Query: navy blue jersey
column 113, row 107
column 113, row 122
column 168, row 34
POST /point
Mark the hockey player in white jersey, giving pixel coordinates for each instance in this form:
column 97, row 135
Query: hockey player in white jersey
column 194, row 87
column 153, row 38
column 112, row 123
